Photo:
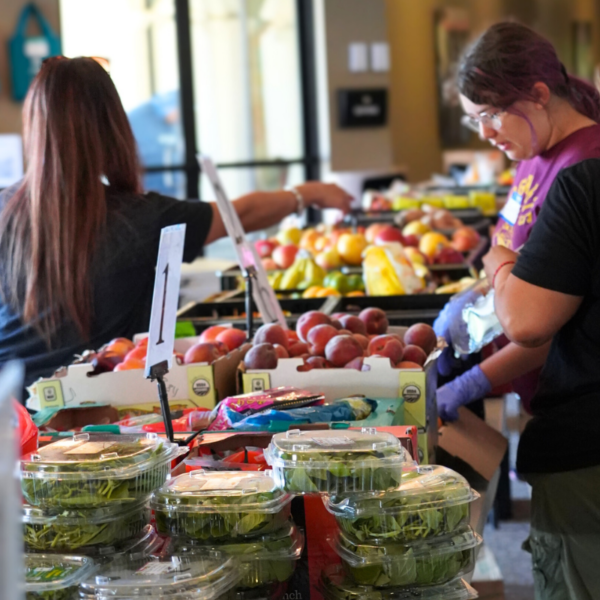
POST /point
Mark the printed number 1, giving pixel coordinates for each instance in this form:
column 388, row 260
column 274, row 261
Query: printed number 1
column 162, row 315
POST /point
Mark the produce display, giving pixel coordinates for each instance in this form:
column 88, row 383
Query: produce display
column 341, row 340
column 425, row 562
column 55, row 577
column 336, row 585
column 72, row 531
column 199, row 576
column 96, row 470
column 330, row 461
column 220, row 506
column 265, row 560
column 430, row 501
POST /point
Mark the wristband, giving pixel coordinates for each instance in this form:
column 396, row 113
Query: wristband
column 500, row 266
column 299, row 199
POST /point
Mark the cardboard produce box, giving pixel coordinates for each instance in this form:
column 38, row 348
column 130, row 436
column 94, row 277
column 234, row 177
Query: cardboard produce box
column 196, row 385
column 416, row 388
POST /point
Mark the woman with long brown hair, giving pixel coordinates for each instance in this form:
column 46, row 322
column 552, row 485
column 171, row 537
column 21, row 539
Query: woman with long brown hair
column 78, row 238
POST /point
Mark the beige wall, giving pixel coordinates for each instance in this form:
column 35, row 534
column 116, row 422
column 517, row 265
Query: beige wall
column 414, row 116
column 10, row 111
column 354, row 21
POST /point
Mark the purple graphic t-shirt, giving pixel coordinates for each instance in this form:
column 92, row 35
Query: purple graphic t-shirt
column 533, row 181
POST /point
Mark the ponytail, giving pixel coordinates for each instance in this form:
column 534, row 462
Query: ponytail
column 584, row 98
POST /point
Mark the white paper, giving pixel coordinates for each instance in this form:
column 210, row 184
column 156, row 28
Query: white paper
column 380, row 57
column 11, row 159
column 358, row 61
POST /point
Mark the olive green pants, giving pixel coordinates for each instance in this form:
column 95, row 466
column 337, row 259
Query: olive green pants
column 565, row 534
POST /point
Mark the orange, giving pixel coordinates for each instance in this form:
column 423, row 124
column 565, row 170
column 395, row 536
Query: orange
column 355, row 294
column 324, row 292
column 350, row 247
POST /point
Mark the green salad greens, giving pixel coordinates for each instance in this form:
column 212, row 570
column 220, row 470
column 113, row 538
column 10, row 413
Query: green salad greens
column 67, row 594
column 403, row 565
column 72, row 531
column 430, row 501
column 126, row 472
column 339, row 472
column 208, row 526
column 220, row 506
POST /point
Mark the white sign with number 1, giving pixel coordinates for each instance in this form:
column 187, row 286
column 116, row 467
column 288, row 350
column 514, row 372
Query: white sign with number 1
column 166, row 297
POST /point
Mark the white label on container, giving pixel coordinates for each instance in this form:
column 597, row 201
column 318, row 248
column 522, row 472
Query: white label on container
column 91, row 448
column 156, row 568
column 341, row 441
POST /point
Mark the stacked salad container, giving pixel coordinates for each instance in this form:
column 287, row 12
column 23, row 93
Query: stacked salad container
column 242, row 514
column 87, row 498
column 404, row 529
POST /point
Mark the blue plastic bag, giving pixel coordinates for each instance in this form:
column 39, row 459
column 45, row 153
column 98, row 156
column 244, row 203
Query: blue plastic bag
column 26, row 53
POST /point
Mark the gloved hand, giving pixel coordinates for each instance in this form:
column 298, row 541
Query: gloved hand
column 466, row 388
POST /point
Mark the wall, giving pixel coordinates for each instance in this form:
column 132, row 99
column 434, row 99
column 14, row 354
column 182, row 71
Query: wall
column 10, row 111
column 348, row 21
column 414, row 116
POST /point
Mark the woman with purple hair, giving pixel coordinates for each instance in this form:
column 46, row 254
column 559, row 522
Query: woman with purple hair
column 520, row 96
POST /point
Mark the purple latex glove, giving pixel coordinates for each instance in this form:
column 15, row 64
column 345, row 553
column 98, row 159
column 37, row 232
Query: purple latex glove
column 466, row 388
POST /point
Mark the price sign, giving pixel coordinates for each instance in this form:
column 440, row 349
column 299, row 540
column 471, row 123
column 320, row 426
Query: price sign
column 248, row 258
column 165, row 298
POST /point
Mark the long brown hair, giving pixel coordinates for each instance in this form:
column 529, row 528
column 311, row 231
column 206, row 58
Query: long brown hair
column 76, row 134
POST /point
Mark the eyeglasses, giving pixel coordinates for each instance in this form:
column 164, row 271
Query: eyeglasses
column 491, row 121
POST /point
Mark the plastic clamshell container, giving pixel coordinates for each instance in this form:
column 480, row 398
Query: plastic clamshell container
column 426, row 562
column 336, row 585
column 146, row 543
column 55, row 576
column 72, row 530
column 335, row 461
column 220, row 505
column 198, row 576
column 430, row 501
column 267, row 560
column 94, row 470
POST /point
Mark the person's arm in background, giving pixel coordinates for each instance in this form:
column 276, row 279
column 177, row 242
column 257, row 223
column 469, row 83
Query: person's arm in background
column 260, row 210
column 513, row 361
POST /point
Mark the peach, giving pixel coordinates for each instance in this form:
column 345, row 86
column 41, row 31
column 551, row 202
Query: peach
column 355, row 363
column 421, row 335
column 414, row 354
column 210, row 334
column 387, row 345
column 292, row 336
column 221, row 347
column 319, row 336
column 138, row 353
column 233, row 338
column 341, row 349
column 271, row 333
column 202, row 353
column 120, row 346
column 318, row 362
column 309, row 320
column 131, row 364
column 269, row 264
column 281, row 351
column 335, row 323
column 362, row 340
column 143, row 343
column 408, row 365
column 106, row 360
column 298, row 349
column 261, row 356
column 375, row 320
column 353, row 324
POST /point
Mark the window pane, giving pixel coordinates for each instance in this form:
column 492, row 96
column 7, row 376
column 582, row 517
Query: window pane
column 247, row 79
column 138, row 38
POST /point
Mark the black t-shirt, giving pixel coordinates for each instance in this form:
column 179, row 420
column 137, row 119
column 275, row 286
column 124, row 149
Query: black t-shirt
column 563, row 254
column 122, row 278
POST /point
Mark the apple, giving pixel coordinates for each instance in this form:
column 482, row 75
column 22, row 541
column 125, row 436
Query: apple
column 411, row 240
column 284, row 256
column 373, row 230
column 329, row 259
column 265, row 248
column 389, row 234
column 447, row 256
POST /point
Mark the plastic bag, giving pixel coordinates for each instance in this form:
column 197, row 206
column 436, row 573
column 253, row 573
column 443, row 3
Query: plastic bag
column 388, row 272
column 477, row 324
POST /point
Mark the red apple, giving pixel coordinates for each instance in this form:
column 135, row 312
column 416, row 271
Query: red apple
column 284, row 256
column 265, row 248
column 411, row 240
column 389, row 234
column 447, row 256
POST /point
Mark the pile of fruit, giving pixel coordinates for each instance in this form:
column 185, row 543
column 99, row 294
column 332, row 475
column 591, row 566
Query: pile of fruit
column 341, row 341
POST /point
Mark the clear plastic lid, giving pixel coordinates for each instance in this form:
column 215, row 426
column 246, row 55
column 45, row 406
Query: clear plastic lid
column 422, row 487
column 336, row 585
column 97, row 456
column 146, row 543
column 221, row 491
column 73, row 517
column 318, row 448
column 285, row 544
column 198, row 576
column 53, row 572
column 364, row 554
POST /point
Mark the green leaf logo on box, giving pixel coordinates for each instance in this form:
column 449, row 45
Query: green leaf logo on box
column 26, row 53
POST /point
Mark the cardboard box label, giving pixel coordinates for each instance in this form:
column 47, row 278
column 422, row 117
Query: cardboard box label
column 50, row 394
column 256, row 382
column 201, row 385
column 412, row 390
